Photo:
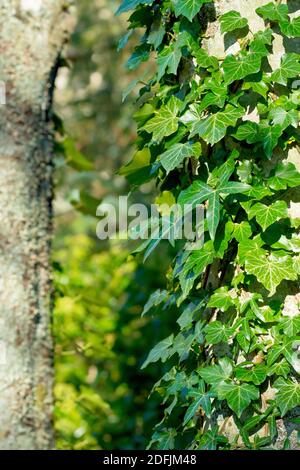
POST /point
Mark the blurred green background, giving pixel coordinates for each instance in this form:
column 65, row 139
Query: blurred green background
column 100, row 289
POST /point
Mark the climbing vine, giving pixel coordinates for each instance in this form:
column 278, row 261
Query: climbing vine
column 222, row 132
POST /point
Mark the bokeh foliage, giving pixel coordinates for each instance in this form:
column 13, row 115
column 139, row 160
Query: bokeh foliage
column 100, row 290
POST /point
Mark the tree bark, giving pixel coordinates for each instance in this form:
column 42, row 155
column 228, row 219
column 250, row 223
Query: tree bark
column 32, row 33
column 288, row 294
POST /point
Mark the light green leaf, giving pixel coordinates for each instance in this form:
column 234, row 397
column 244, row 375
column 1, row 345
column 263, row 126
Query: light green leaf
column 138, row 170
column 285, row 175
column 242, row 231
column 281, row 368
column 233, row 187
column 236, row 68
column 203, row 59
column 173, row 157
column 256, row 374
column 291, row 325
column 188, row 8
column 270, row 270
column 273, row 12
column 165, row 121
column 216, row 373
column 289, row 68
column 247, row 132
column 213, row 128
column 232, row 21
column 267, row 215
column 284, row 118
column 288, row 395
column 216, row 332
column 222, row 299
column 238, row 397
column 195, row 194
column 291, row 28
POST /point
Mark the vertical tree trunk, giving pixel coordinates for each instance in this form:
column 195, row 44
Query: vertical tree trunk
column 32, row 33
column 219, row 46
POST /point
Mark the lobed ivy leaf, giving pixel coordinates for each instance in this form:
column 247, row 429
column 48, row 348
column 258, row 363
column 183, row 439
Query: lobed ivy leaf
column 201, row 399
column 257, row 374
column 236, row 68
column 238, row 397
column 289, row 68
column 270, row 270
column 222, row 299
column 188, row 8
column 288, row 395
column 213, row 128
column 168, row 60
column 160, row 351
column 216, row 332
column 217, row 373
column 165, row 121
column 173, row 157
column 285, row 175
column 267, row 215
column 231, row 21
column 273, row 12
column 291, row 28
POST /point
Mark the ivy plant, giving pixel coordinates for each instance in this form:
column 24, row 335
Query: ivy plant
column 219, row 132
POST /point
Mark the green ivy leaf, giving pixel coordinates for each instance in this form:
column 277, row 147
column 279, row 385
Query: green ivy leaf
column 222, row 299
column 201, row 399
column 238, row 397
column 236, row 68
column 290, row 28
column 281, row 368
column 257, row 374
column 165, row 439
column 165, row 121
column 216, row 332
column 247, row 132
column 213, row 213
column 218, row 373
column 289, row 68
column 267, row 215
column 291, row 326
column 173, row 157
column 270, row 270
column 285, row 175
column 188, row 8
column 160, row 351
column 288, row 395
column 284, row 117
column 232, row 21
column 168, row 60
column 273, row 12
column 213, row 128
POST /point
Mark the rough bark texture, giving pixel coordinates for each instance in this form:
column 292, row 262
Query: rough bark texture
column 32, row 33
column 220, row 45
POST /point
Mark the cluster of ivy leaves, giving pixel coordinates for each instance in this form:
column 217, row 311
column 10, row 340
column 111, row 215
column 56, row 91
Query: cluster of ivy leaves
column 217, row 132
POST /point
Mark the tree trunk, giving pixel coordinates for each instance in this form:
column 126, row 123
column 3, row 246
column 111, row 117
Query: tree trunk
column 220, row 46
column 32, row 33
